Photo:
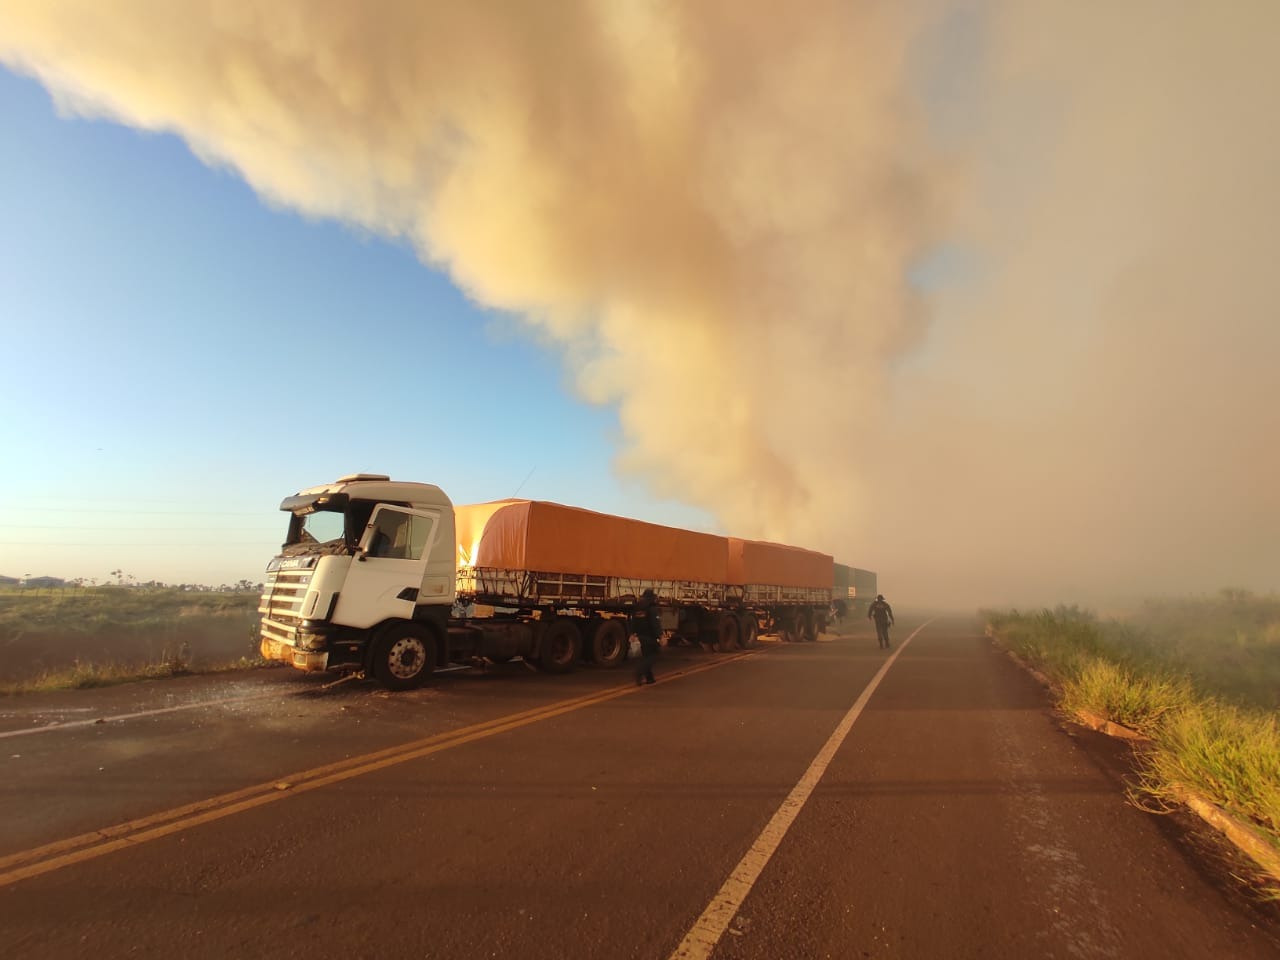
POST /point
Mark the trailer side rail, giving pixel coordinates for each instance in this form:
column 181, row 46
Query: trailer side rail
column 530, row 588
column 773, row 595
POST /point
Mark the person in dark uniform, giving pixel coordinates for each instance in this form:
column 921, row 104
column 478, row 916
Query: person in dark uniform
column 647, row 625
column 882, row 614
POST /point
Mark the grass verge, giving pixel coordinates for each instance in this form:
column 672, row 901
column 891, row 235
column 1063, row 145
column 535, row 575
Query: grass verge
column 85, row 676
column 1228, row 752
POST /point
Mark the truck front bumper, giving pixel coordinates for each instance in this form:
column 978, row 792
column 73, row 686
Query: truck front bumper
column 286, row 653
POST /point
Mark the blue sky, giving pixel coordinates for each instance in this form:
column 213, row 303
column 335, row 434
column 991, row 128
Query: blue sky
column 182, row 356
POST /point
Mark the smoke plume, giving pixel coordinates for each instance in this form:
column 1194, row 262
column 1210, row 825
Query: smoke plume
column 978, row 295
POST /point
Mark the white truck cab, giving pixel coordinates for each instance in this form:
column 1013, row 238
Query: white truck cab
column 360, row 553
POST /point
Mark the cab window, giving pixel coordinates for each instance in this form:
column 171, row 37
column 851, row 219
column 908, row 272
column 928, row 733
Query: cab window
column 399, row 536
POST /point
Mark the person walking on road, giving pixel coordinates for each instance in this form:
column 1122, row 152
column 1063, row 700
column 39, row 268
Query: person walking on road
column 648, row 628
column 882, row 614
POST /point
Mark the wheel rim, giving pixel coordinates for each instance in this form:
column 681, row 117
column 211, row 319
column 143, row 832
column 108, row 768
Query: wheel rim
column 406, row 658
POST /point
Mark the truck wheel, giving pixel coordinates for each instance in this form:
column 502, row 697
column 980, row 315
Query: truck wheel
column 728, row 634
column 560, row 647
column 404, row 656
column 805, row 627
column 786, row 629
column 747, row 631
column 609, row 643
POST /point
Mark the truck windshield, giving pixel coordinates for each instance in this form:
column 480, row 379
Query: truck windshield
column 319, row 532
column 319, row 527
column 332, row 530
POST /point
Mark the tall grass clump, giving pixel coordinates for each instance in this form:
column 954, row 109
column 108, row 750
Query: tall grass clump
column 1057, row 642
column 1139, row 701
column 1226, row 753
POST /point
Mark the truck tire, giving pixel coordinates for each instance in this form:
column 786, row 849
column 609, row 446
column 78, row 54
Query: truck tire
column 404, row 656
column 560, row 646
column 748, row 630
column 786, row 627
column 609, row 643
column 805, row 628
column 727, row 634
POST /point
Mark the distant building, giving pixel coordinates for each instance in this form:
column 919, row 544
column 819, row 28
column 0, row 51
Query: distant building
column 42, row 583
column 9, row 581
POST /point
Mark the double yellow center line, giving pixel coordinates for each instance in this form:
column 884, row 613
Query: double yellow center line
column 87, row 846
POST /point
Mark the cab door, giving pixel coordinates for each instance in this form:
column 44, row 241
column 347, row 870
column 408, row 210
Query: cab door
column 385, row 577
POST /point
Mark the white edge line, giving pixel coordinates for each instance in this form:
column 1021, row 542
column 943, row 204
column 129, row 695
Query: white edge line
column 710, row 927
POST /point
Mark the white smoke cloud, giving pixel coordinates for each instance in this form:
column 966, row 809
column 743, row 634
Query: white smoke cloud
column 716, row 208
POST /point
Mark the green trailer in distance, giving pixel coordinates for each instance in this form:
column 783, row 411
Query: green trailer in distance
column 864, row 590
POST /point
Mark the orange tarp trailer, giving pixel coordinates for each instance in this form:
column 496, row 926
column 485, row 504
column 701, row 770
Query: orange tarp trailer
column 546, row 537
column 776, row 564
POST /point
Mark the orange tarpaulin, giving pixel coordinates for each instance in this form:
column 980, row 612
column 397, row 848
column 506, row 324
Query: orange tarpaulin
column 551, row 538
column 775, row 564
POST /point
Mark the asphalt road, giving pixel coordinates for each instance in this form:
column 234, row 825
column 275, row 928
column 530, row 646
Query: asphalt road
column 511, row 814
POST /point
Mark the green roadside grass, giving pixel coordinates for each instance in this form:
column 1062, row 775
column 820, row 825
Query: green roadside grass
column 1199, row 678
column 86, row 676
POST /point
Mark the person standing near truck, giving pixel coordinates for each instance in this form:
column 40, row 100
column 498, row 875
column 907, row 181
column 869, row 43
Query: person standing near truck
column 648, row 628
column 882, row 614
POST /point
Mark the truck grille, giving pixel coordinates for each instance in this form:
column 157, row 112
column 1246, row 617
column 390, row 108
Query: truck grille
column 281, row 604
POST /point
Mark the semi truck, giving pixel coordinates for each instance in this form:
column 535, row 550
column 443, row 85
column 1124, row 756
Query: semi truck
column 391, row 580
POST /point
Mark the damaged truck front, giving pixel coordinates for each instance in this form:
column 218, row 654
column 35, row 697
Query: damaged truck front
column 363, row 557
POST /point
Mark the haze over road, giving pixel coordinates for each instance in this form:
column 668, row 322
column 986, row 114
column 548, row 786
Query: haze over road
column 518, row 815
